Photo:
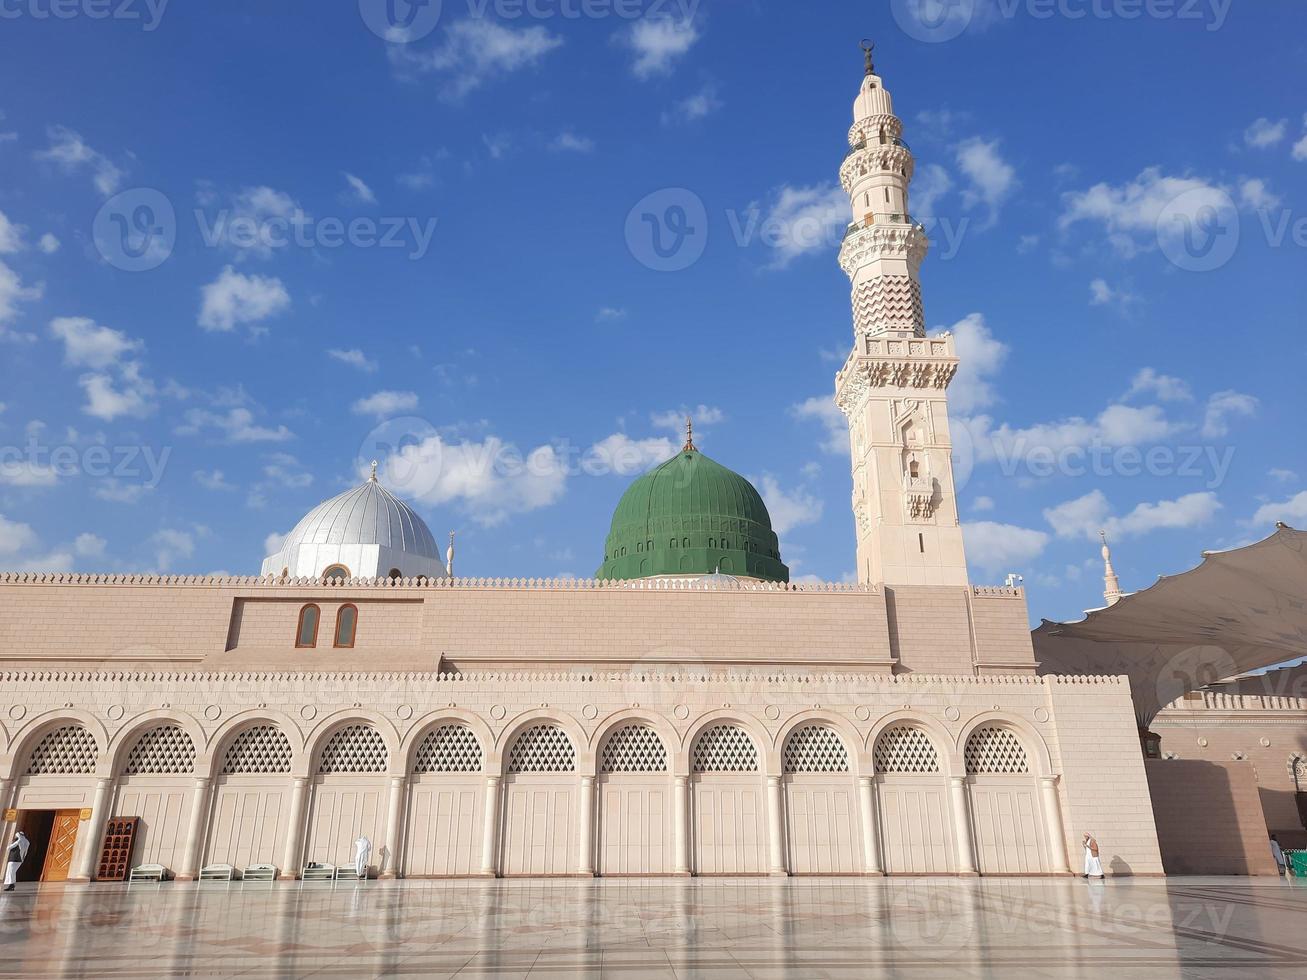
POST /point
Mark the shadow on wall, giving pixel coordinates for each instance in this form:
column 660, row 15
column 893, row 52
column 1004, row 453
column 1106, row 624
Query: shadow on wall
column 1209, row 818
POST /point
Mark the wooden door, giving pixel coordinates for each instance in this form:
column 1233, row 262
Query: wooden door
column 63, row 838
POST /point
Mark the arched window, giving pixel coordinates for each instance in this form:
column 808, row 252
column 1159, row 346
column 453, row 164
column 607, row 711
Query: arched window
column 905, row 749
column 725, row 748
column 306, row 633
column 66, row 751
column 165, row 750
column 914, row 469
column 449, row 748
column 543, row 748
column 260, row 749
column 634, row 748
column 994, row 749
column 815, row 748
column 336, row 572
column 347, row 620
column 395, row 573
column 355, row 748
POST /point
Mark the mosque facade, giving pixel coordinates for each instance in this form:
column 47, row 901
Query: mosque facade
column 689, row 711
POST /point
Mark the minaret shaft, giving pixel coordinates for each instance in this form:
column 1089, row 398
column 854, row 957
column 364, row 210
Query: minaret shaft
column 894, row 387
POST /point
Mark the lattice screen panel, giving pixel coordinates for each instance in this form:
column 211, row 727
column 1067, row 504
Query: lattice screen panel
column 905, row 749
column 163, row 750
column 544, row 748
column 635, row 748
column 355, row 748
column 261, row 749
column 66, row 751
column 995, row 749
column 815, row 748
column 449, row 748
column 725, row 748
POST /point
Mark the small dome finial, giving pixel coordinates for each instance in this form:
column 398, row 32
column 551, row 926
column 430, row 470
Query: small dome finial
column 373, row 477
column 868, row 46
column 689, row 436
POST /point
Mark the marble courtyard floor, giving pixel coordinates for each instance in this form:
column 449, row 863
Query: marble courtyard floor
column 803, row 927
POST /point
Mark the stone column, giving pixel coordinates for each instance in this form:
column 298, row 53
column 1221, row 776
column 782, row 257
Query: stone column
column 389, row 867
column 490, row 828
column 84, row 868
column 870, row 827
column 6, row 786
column 775, row 827
column 290, row 862
column 585, row 863
column 962, row 825
column 681, row 825
column 190, row 863
column 1058, row 862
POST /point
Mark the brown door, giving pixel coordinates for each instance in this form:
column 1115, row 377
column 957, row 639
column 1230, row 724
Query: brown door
column 63, row 836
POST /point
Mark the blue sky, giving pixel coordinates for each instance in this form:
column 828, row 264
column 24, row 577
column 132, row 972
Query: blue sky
column 245, row 248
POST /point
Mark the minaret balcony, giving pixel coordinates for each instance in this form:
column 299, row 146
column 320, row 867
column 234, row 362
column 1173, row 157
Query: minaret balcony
column 887, row 141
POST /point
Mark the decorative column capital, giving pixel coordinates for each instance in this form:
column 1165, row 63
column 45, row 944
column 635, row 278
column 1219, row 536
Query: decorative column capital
column 493, row 780
column 1050, row 780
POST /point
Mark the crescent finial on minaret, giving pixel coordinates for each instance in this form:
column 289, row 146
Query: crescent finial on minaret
column 689, row 436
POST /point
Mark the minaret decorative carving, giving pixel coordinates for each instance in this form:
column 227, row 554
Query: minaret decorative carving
column 894, row 386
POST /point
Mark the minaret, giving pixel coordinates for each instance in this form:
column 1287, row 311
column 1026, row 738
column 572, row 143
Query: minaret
column 449, row 557
column 894, row 386
column 1111, row 584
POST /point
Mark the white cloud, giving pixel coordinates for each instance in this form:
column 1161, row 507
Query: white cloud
column 981, row 504
column 235, row 425
column 491, row 481
column 674, row 418
column 474, row 51
column 90, row 345
column 115, row 491
column 930, row 184
column 212, row 480
column 13, row 292
column 621, row 454
column 788, row 509
column 71, row 153
column 234, row 298
column 610, row 314
column 998, row 548
column 1300, row 150
column 823, row 409
column 1163, row 386
column 284, row 470
column 273, row 542
column 361, row 191
column 1282, row 475
column 89, row 545
column 11, row 235
column 1084, row 516
column 658, row 42
column 48, row 243
column 980, row 356
column 1254, row 194
column 354, row 358
column 20, row 471
column 383, row 404
column 1102, row 294
column 1129, row 213
column 171, row 545
column 695, row 107
column 1115, row 426
column 15, row 537
column 805, row 219
column 1221, row 407
column 569, row 142
column 108, row 398
column 1292, row 511
column 1264, row 133
column 991, row 179
column 255, row 221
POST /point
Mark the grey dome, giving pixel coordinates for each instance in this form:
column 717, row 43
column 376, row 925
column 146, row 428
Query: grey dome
column 368, row 514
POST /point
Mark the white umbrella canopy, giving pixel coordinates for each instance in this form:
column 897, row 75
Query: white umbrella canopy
column 1238, row 611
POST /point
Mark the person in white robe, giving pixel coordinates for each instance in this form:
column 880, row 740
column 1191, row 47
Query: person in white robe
column 1093, row 866
column 362, row 852
column 14, row 858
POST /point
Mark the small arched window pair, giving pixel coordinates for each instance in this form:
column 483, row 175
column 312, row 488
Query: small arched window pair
column 347, row 619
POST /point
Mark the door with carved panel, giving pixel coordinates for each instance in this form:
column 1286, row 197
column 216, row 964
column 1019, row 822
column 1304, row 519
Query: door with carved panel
column 63, row 838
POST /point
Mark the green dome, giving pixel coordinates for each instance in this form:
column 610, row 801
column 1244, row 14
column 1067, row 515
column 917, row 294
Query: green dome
column 692, row 516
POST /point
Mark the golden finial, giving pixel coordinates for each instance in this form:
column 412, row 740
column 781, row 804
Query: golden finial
column 373, row 477
column 868, row 47
column 689, row 436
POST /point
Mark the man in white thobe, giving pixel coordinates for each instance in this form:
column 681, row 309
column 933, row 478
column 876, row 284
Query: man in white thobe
column 362, row 851
column 14, row 858
column 1093, row 866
